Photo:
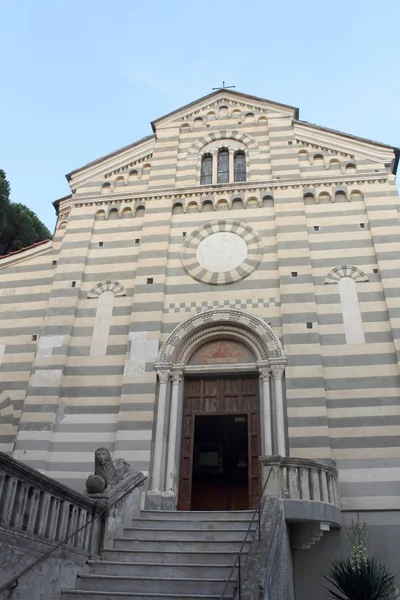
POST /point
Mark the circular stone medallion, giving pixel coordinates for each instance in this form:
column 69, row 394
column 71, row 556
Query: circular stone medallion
column 222, row 252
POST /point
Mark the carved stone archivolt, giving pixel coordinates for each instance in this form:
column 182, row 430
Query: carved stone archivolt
column 234, row 323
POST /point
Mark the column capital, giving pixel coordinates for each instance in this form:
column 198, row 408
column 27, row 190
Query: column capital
column 177, row 377
column 278, row 371
column 163, row 375
column 265, row 373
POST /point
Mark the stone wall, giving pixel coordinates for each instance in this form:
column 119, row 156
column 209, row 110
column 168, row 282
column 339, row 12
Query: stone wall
column 43, row 582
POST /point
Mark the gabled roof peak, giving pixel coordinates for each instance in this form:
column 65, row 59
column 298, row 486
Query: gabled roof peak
column 223, row 93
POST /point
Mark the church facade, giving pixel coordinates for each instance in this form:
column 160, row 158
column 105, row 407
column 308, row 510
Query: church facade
column 222, row 289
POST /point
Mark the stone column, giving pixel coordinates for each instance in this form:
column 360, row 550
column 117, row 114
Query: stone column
column 265, row 375
column 170, row 480
column 277, row 373
column 163, row 376
column 215, row 166
column 231, row 165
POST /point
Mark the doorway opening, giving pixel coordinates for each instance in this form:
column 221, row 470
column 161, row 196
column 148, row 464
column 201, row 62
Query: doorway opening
column 220, row 465
column 220, row 478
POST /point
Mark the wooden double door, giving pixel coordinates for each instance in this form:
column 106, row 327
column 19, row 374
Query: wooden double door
column 221, row 445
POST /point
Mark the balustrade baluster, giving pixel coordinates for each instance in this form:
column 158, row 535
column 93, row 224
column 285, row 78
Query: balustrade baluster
column 32, row 509
column 315, row 485
column 87, row 533
column 72, row 526
column 294, row 484
column 80, row 543
column 21, row 502
column 10, row 488
column 331, row 492
column 2, row 482
column 43, row 514
column 324, row 486
column 304, row 484
column 53, row 519
column 63, row 520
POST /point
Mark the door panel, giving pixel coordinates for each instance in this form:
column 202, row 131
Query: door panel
column 220, row 396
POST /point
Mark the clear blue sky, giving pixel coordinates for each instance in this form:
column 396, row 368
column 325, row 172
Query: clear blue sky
column 81, row 79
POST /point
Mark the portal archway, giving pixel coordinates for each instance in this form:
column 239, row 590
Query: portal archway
column 264, row 358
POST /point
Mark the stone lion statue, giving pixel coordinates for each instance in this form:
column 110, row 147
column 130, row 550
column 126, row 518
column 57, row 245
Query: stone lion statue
column 107, row 473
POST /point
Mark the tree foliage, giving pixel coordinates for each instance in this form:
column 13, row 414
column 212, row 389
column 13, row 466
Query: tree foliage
column 19, row 226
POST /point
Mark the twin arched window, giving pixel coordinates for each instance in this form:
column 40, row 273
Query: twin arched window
column 224, row 174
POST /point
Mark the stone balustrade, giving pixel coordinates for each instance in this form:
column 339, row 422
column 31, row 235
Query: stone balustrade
column 40, row 507
column 302, row 479
column 38, row 520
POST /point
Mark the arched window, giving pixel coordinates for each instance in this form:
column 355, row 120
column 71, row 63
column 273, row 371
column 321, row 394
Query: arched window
column 239, row 167
column 223, row 166
column 206, row 170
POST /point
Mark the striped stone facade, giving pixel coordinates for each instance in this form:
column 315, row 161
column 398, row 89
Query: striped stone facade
column 84, row 317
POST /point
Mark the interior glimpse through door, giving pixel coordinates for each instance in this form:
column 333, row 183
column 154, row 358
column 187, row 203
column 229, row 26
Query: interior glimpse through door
column 220, row 463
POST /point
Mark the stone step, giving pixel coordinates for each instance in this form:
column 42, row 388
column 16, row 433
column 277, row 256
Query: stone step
column 89, row 595
column 144, row 523
column 165, row 585
column 143, row 569
column 156, row 556
column 198, row 515
column 163, row 545
column 176, row 534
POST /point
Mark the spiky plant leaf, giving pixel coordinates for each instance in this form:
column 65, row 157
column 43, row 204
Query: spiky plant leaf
column 370, row 581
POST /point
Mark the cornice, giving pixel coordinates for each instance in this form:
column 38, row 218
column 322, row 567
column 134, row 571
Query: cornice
column 284, row 183
column 112, row 162
column 343, row 142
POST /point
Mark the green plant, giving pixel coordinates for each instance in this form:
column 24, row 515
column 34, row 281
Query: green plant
column 359, row 576
column 370, row 581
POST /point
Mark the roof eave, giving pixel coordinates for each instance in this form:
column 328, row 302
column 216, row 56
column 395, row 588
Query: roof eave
column 56, row 203
column 359, row 139
column 106, row 156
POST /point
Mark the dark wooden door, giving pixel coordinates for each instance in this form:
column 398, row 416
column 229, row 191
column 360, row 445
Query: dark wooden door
column 207, row 396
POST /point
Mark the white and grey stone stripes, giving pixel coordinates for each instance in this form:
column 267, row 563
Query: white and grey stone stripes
column 317, row 207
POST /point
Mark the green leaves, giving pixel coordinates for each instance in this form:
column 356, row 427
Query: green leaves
column 19, row 226
column 369, row 581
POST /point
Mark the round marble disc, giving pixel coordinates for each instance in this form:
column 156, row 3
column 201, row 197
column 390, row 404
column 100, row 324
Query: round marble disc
column 222, row 251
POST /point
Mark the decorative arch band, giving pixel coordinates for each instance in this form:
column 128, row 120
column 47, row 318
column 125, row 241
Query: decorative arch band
column 214, row 323
column 107, row 286
column 345, row 271
column 248, row 141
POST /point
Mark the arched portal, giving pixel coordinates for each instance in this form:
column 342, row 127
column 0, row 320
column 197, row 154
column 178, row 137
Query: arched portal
column 239, row 356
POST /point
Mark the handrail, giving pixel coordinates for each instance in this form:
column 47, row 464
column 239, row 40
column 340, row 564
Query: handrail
column 13, row 583
column 239, row 554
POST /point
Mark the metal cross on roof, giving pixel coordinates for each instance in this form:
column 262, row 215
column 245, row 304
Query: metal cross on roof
column 224, row 87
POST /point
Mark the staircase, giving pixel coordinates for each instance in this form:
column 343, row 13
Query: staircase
column 168, row 555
